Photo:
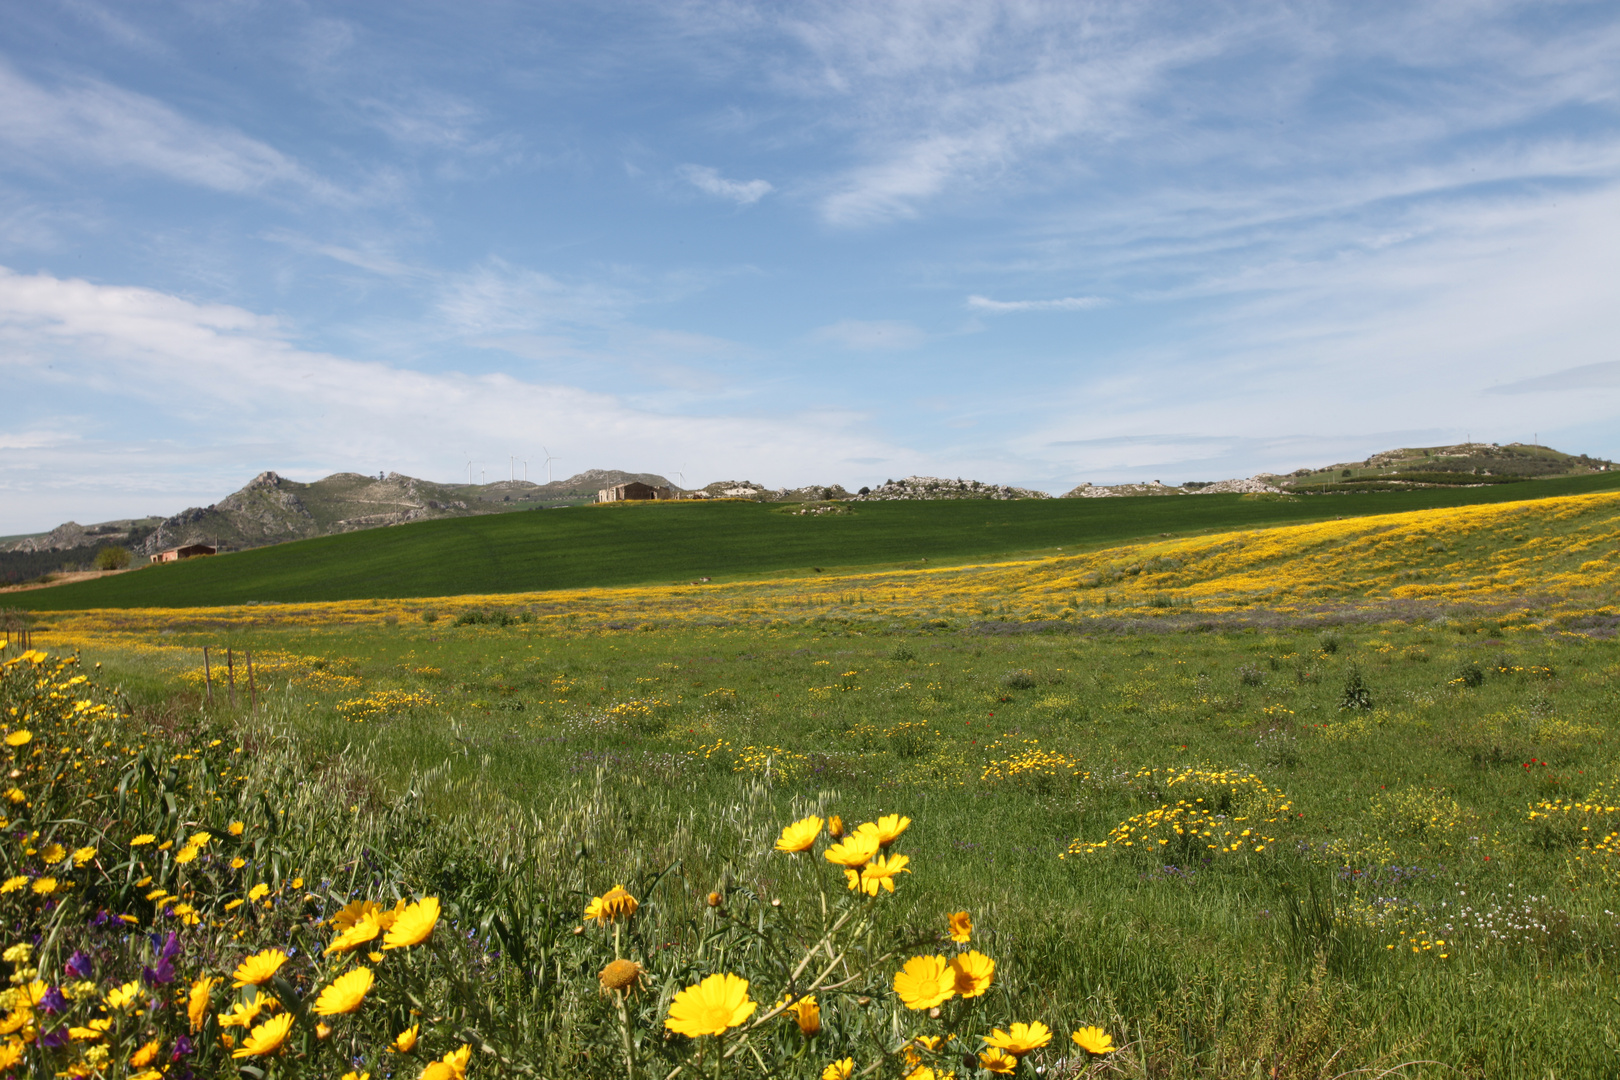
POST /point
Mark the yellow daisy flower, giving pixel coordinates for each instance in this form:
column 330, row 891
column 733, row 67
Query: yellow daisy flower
column 709, row 1008
column 1020, row 1039
column 259, row 968
column 972, row 972
column 925, row 981
column 800, row 836
column 1094, row 1040
column 265, row 1039
column 345, row 994
column 414, row 925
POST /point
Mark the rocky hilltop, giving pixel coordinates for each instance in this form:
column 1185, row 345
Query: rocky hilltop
column 934, row 487
column 271, row 509
column 1254, row 485
column 1466, row 464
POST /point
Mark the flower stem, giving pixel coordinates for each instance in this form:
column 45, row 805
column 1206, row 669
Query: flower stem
column 624, row 1035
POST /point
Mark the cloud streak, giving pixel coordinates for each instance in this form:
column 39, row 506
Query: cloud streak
column 1067, row 303
column 95, row 123
column 741, row 192
column 873, row 335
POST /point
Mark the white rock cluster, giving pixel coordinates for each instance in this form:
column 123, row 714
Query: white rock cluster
column 934, row 487
column 1252, row 486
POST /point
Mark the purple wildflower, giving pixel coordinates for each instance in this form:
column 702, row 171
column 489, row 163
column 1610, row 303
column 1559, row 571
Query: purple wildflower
column 79, row 965
column 53, row 1001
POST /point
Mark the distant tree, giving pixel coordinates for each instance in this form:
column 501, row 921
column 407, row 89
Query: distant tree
column 112, row 558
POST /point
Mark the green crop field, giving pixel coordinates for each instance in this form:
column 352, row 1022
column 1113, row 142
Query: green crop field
column 645, row 543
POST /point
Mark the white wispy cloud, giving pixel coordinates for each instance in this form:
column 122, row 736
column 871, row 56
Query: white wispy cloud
column 497, row 297
column 1066, row 303
column 873, row 335
column 213, row 393
column 86, row 121
column 741, row 192
column 1600, row 376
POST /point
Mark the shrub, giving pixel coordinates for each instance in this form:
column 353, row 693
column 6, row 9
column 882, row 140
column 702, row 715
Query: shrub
column 1328, row 642
column 1470, row 674
column 1356, row 694
column 1019, row 679
column 903, row 654
column 112, row 558
column 1251, row 675
column 430, row 616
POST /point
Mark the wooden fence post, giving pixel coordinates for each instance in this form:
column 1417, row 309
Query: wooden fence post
column 253, row 694
column 230, row 674
column 208, row 680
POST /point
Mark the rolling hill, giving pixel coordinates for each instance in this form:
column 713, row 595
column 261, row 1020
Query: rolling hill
column 641, row 543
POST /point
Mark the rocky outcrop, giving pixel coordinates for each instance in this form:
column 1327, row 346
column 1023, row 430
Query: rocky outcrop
column 1254, row 485
column 934, row 487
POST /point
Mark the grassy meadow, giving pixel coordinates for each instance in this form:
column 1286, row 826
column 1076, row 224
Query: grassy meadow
column 1336, row 799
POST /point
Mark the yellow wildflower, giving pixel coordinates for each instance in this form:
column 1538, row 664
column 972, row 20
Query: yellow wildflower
column 267, row 1038
column 925, row 981
column 260, row 968
column 346, row 993
column 800, row 836
column 414, row 925
column 1020, row 1039
column 709, row 1008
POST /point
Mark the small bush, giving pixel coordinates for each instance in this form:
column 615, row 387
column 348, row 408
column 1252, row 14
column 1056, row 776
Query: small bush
column 1019, row 679
column 112, row 558
column 1356, row 694
column 484, row 618
column 1470, row 674
column 1251, row 675
column 430, row 616
column 903, row 654
column 1328, row 642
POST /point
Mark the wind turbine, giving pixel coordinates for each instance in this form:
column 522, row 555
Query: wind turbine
column 549, row 460
column 525, row 470
column 469, row 470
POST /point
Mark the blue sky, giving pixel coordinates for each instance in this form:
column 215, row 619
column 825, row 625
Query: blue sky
column 1032, row 243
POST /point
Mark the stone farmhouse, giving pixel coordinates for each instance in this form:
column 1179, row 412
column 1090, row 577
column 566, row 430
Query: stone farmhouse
column 633, row 490
column 188, row 551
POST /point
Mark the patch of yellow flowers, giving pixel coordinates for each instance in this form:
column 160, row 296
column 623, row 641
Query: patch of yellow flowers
column 720, row 1015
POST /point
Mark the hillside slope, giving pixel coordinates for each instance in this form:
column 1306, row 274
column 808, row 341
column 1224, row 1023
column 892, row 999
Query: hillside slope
column 627, row 544
column 1445, row 466
column 1504, row 568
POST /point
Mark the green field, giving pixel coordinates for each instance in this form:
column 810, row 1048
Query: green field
column 1405, row 908
column 1308, row 846
column 645, row 543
